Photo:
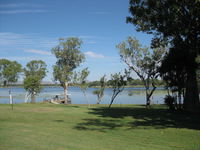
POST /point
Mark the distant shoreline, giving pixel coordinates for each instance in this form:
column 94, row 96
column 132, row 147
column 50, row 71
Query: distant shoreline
column 57, row 85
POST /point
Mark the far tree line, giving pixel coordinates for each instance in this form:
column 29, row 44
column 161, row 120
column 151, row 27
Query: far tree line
column 130, row 83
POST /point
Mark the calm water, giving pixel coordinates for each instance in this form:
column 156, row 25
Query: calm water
column 77, row 97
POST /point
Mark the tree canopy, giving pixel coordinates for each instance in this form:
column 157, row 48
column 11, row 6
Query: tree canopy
column 9, row 71
column 35, row 71
column 176, row 23
column 143, row 62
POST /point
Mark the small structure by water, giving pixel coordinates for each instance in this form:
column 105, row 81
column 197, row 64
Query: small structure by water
column 58, row 100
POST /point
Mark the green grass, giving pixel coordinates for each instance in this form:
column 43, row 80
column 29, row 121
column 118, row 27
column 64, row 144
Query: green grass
column 76, row 127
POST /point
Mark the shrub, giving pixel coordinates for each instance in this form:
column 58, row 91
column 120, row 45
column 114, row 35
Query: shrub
column 170, row 102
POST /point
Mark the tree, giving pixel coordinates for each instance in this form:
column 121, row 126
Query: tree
column 177, row 23
column 35, row 71
column 118, row 83
column 100, row 91
column 69, row 57
column 173, row 72
column 9, row 71
column 80, row 79
column 143, row 62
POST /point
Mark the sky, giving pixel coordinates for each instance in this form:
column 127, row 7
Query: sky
column 29, row 29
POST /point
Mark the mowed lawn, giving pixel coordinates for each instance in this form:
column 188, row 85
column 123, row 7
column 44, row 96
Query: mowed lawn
column 77, row 127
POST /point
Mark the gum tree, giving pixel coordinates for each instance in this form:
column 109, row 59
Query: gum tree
column 9, row 71
column 143, row 62
column 34, row 72
column 69, row 57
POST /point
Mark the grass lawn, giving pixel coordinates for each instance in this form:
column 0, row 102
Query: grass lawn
column 76, row 127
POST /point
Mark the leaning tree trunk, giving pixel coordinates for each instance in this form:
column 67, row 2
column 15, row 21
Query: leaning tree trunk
column 99, row 100
column 66, row 93
column 149, row 93
column 191, row 101
column 148, row 100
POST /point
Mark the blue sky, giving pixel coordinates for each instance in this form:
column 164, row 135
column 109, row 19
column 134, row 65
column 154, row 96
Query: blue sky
column 29, row 29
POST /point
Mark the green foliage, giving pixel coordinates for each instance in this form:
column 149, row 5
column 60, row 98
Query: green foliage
column 35, row 71
column 69, row 57
column 118, row 82
column 32, row 84
column 166, row 19
column 80, row 78
column 94, row 83
column 142, row 61
column 36, row 68
column 173, row 70
column 138, row 82
column 9, row 71
column 175, row 23
column 100, row 91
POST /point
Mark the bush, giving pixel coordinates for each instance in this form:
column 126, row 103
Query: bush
column 170, row 102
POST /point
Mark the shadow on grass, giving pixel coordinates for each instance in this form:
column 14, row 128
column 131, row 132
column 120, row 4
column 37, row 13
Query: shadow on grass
column 138, row 118
column 58, row 120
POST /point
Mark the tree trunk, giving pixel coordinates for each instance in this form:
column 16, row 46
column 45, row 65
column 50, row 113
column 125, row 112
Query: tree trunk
column 179, row 100
column 148, row 100
column 99, row 100
column 191, row 101
column 32, row 98
column 113, row 97
column 87, row 100
column 66, row 92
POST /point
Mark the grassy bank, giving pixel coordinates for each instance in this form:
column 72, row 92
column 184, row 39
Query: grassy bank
column 75, row 127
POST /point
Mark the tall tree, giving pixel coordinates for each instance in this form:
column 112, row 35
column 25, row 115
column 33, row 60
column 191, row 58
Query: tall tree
column 9, row 71
column 35, row 71
column 143, row 62
column 175, row 22
column 100, row 92
column 69, row 57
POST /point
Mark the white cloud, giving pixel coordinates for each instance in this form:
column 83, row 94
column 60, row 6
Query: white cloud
column 22, row 11
column 18, row 8
column 17, row 5
column 8, row 39
column 26, row 40
column 12, row 5
column 38, row 52
column 48, row 59
column 94, row 55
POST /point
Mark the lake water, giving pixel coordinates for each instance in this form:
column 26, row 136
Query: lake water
column 77, row 97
